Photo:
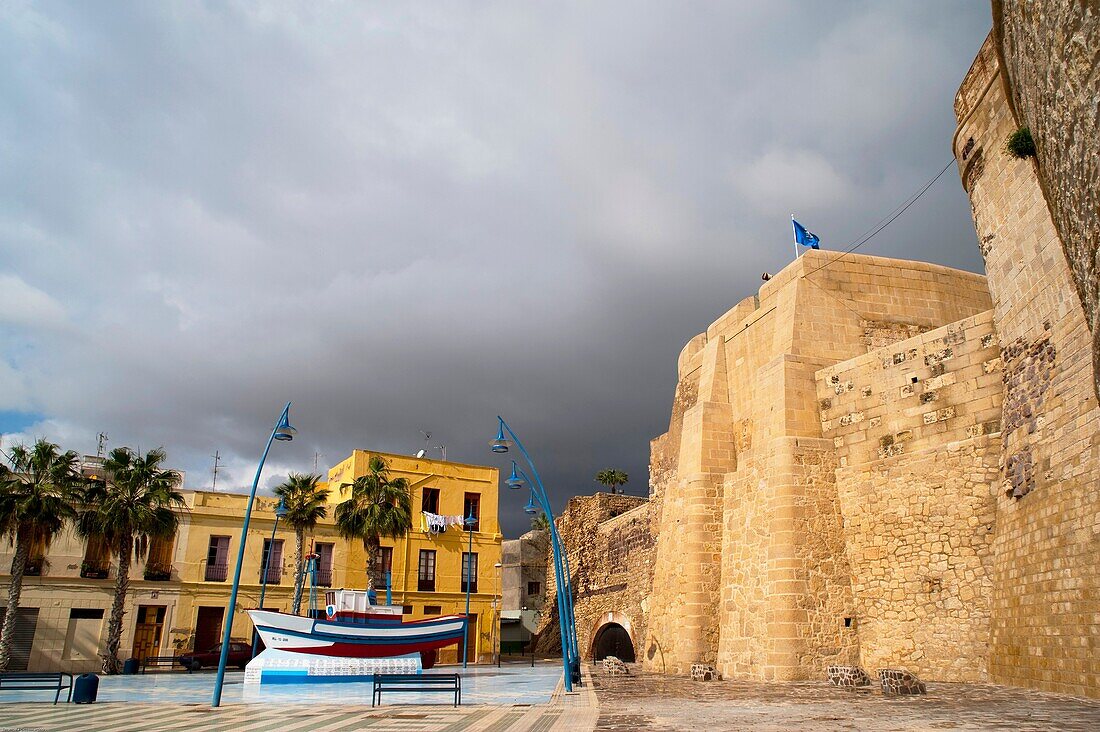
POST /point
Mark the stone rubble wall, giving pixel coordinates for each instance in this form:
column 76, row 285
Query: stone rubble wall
column 1046, row 578
column 917, row 439
column 1050, row 51
column 609, row 541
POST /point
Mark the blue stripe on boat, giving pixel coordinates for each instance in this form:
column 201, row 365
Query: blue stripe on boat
column 388, row 641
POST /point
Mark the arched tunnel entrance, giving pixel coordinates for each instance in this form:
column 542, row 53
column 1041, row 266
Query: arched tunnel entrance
column 613, row 640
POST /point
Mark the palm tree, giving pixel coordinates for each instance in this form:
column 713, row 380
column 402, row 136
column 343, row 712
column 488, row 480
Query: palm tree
column 38, row 496
column 612, row 478
column 540, row 522
column 304, row 501
column 378, row 506
column 136, row 502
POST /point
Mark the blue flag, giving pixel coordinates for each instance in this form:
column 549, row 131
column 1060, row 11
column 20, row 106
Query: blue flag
column 804, row 236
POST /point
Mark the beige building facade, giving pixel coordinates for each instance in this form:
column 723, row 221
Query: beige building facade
column 179, row 593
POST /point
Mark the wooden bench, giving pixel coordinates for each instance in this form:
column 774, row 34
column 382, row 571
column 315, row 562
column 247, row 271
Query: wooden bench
column 168, row 662
column 450, row 683
column 53, row 680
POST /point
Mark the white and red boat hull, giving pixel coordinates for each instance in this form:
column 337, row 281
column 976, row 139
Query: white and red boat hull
column 368, row 637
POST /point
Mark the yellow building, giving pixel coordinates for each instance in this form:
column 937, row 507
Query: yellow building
column 179, row 592
column 426, row 566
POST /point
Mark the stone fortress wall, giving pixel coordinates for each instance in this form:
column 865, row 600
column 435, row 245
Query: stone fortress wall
column 1045, row 612
column 915, row 427
column 609, row 540
column 891, row 463
column 750, row 553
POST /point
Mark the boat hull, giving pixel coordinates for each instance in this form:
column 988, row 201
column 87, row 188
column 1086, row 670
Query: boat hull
column 363, row 639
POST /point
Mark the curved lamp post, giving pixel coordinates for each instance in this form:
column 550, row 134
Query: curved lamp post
column 469, row 522
column 284, row 433
column 566, row 621
column 280, row 512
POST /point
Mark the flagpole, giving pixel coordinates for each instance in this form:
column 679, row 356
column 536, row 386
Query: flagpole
column 796, row 238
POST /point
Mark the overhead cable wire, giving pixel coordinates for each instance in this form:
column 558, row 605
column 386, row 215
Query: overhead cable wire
column 884, row 222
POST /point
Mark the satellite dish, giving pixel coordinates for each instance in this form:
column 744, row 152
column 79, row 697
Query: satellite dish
column 421, row 453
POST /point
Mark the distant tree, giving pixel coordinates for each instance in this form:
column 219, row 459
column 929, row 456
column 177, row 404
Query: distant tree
column 540, row 522
column 136, row 502
column 378, row 506
column 612, row 478
column 38, row 496
column 305, row 503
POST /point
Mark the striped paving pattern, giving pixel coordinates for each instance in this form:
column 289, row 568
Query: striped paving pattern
column 575, row 712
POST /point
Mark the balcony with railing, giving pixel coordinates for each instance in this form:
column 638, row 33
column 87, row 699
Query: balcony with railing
column 217, row 572
column 324, row 576
column 274, row 575
column 158, row 572
column 95, row 569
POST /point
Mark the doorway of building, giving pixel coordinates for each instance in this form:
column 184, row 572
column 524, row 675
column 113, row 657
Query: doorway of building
column 208, row 627
column 148, row 631
column 471, row 638
column 613, row 640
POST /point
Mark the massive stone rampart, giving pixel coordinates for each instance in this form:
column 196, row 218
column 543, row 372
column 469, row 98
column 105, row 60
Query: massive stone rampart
column 916, row 430
column 750, row 570
column 1046, row 578
column 1049, row 52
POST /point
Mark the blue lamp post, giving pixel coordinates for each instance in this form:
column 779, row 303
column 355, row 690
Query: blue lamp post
column 280, row 512
column 567, row 623
column 282, row 432
column 469, row 521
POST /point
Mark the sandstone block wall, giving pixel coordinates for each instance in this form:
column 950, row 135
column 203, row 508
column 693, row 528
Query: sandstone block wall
column 916, row 430
column 1045, row 616
column 1050, row 55
column 750, row 568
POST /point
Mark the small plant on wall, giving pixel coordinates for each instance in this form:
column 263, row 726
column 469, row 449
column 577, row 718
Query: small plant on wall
column 1020, row 144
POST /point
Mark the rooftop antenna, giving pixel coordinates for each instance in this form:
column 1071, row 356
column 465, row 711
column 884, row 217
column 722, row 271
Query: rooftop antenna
column 443, row 449
column 424, row 450
column 217, row 459
column 102, row 444
column 316, row 457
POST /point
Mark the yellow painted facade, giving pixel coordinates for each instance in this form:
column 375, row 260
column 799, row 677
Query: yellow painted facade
column 453, row 482
column 66, row 608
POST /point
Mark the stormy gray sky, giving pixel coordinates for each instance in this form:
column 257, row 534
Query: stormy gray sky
column 411, row 216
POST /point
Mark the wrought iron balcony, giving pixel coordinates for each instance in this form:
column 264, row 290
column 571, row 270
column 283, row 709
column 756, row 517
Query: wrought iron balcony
column 324, row 577
column 158, row 572
column 274, row 575
column 95, row 569
column 217, row 572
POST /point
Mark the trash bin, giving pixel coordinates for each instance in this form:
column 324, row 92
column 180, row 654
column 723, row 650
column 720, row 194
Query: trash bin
column 85, row 689
column 130, row 666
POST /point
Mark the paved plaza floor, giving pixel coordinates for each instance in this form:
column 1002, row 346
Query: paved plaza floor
column 515, row 698
column 640, row 701
column 659, row 703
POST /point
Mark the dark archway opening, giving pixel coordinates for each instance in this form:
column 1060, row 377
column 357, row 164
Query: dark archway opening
column 613, row 640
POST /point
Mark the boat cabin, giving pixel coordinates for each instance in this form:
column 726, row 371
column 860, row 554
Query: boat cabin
column 356, row 605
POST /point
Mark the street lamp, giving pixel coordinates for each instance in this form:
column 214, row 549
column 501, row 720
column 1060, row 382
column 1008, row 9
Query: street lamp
column 282, row 432
column 570, row 652
column 280, row 512
column 469, row 521
column 498, row 606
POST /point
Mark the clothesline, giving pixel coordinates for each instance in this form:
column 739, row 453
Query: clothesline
column 437, row 523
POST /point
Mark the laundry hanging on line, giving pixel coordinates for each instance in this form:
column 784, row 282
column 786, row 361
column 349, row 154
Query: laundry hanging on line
column 437, row 523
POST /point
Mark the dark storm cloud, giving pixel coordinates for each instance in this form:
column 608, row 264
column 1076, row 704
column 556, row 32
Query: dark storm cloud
column 406, row 217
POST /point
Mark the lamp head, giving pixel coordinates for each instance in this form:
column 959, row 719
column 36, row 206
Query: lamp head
column 514, row 481
column 500, row 445
column 281, row 510
column 284, row 432
column 531, row 508
column 470, row 520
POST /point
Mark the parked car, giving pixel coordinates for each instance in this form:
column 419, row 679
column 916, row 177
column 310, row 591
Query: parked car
column 239, row 655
